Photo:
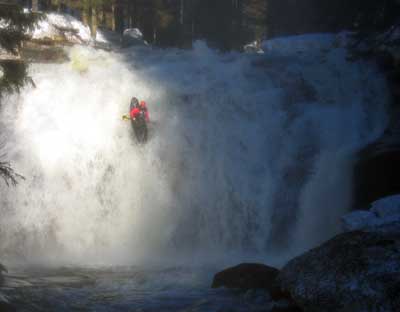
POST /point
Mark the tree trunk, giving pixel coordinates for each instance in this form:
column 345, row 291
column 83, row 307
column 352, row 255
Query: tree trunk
column 119, row 17
column 181, row 12
column 35, row 5
column 113, row 24
column 93, row 23
column 135, row 13
column 130, row 15
column 101, row 15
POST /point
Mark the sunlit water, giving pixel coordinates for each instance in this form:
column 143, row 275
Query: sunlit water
column 249, row 158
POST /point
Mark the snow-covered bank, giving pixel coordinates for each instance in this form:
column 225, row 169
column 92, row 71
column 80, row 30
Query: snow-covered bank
column 55, row 25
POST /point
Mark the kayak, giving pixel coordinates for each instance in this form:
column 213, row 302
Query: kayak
column 140, row 129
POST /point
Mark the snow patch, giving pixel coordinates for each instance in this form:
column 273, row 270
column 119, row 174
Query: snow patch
column 54, row 23
column 253, row 47
column 133, row 37
column 383, row 212
column 134, row 33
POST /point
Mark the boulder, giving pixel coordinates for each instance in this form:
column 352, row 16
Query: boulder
column 248, row 276
column 354, row 271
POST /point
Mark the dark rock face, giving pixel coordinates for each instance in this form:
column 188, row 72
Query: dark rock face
column 247, row 276
column 378, row 166
column 355, row 271
column 377, row 172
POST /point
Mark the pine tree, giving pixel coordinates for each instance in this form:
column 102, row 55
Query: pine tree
column 375, row 23
column 254, row 15
column 13, row 71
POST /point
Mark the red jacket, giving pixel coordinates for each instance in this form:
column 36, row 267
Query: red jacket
column 137, row 110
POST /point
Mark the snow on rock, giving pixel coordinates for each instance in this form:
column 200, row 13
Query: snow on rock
column 387, row 208
column 132, row 36
column 56, row 24
column 134, row 33
column 253, row 47
column 383, row 212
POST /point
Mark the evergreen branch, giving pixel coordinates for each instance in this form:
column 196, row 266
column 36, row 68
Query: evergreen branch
column 15, row 16
column 15, row 76
column 9, row 176
column 11, row 39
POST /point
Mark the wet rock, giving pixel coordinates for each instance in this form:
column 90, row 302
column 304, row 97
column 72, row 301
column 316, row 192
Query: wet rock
column 248, row 276
column 355, row 271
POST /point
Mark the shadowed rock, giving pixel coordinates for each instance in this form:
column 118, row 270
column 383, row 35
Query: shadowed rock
column 355, row 271
column 247, row 276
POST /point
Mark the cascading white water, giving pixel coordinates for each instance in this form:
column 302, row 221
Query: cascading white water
column 249, row 154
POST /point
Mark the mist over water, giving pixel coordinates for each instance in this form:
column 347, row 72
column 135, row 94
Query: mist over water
column 249, row 155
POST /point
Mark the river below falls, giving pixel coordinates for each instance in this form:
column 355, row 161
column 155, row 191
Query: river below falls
column 125, row 289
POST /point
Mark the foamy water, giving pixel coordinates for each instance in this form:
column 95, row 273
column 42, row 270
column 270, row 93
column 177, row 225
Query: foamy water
column 249, row 157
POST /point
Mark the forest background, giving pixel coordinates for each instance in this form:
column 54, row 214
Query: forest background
column 226, row 24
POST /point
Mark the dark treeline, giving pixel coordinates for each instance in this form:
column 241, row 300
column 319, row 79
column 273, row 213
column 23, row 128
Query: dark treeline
column 227, row 24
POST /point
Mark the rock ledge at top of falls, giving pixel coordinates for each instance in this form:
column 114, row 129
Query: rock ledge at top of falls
column 50, row 36
column 354, row 271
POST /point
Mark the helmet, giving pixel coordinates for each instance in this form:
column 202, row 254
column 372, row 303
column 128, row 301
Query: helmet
column 134, row 103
